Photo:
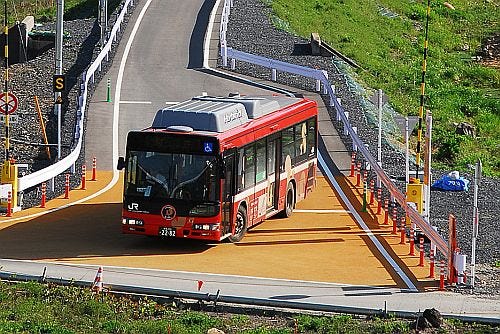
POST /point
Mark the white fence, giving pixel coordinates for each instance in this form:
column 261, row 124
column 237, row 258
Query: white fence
column 50, row 172
column 322, row 77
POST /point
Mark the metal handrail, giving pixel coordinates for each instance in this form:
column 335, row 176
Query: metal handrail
column 396, row 194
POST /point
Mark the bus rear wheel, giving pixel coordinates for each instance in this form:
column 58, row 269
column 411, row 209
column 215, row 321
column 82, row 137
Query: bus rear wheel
column 241, row 225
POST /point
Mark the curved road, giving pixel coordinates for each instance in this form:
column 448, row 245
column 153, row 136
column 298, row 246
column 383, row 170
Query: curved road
column 158, row 63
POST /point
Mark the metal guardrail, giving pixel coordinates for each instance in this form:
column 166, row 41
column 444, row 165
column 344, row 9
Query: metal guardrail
column 50, row 172
column 225, row 300
column 321, row 76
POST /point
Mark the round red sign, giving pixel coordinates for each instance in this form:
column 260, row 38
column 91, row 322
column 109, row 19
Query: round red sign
column 9, row 107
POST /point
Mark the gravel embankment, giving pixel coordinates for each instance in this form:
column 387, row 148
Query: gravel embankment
column 34, row 78
column 250, row 30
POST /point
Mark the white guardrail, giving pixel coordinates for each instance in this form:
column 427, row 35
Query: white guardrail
column 322, row 77
column 50, row 172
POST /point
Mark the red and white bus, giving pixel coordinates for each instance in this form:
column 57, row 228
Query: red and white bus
column 211, row 167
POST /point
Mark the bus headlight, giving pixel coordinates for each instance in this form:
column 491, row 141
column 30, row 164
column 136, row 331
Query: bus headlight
column 206, row 227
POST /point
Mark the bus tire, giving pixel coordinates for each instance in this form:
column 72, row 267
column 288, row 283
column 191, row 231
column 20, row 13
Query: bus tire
column 241, row 225
column 289, row 201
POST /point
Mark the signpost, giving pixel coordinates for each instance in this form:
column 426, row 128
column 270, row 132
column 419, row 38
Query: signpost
column 379, row 99
column 14, row 119
column 475, row 222
column 8, row 103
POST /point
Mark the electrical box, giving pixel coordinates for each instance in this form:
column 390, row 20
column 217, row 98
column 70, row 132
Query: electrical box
column 9, row 175
column 415, row 194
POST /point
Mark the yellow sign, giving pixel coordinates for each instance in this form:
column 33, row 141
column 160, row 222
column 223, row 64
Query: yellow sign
column 9, row 175
column 415, row 194
column 59, row 83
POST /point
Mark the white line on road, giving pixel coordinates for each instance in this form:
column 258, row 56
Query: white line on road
column 365, row 228
column 135, row 102
column 169, row 103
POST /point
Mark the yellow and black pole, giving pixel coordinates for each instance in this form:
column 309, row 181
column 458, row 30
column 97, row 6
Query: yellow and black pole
column 6, row 82
column 422, row 90
column 9, row 169
column 415, row 189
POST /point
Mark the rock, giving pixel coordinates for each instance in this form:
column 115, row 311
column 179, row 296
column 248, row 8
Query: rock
column 421, row 323
column 434, row 317
column 214, row 331
column 466, row 129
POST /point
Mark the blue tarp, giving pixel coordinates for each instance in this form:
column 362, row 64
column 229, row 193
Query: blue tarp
column 451, row 182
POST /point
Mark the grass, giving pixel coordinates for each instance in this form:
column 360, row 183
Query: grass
column 38, row 308
column 386, row 38
column 45, row 10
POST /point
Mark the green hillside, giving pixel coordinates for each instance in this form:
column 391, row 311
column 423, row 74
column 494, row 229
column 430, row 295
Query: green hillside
column 386, row 38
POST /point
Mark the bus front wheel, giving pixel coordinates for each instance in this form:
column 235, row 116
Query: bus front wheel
column 289, row 201
column 241, row 225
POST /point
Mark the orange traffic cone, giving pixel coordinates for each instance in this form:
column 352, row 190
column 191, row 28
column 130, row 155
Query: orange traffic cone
column 97, row 285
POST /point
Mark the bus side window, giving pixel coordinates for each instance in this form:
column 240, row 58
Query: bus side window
column 241, row 170
column 250, row 166
column 311, row 137
column 261, row 162
column 301, row 141
column 271, row 154
column 288, row 148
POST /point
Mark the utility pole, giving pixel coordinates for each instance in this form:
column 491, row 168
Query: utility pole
column 427, row 168
column 475, row 223
column 59, row 70
column 103, row 20
column 379, row 99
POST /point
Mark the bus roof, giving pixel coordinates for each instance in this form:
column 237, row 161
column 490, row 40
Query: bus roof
column 218, row 114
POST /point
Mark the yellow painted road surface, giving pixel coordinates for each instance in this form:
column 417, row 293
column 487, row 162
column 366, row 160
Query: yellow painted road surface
column 320, row 242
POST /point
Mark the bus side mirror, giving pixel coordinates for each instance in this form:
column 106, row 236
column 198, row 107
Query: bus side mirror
column 121, row 163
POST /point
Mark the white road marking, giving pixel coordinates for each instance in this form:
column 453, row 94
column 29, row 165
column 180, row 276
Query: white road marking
column 208, row 34
column 135, row 102
column 365, row 228
column 171, row 103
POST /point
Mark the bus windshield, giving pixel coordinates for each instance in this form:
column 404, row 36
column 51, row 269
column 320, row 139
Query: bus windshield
column 191, row 177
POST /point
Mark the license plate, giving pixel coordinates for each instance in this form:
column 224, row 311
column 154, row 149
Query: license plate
column 167, row 232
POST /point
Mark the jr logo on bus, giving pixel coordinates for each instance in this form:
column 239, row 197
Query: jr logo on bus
column 168, row 212
column 133, row 207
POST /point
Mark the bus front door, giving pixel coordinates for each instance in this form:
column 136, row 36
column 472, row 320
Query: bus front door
column 227, row 192
column 273, row 174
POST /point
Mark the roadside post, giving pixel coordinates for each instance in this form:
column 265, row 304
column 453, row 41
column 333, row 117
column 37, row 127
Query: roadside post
column 475, row 223
column 379, row 99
